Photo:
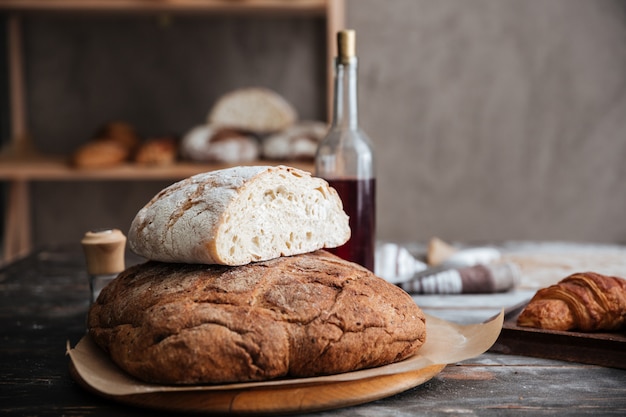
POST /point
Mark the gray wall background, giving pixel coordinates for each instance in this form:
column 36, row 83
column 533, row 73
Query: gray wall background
column 492, row 119
column 497, row 119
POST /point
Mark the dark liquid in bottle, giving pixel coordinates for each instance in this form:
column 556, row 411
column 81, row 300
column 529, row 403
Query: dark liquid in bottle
column 359, row 202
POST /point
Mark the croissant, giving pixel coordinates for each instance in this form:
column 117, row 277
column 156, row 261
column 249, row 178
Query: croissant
column 587, row 302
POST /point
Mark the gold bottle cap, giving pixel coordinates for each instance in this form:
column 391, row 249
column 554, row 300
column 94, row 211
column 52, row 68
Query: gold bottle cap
column 104, row 251
column 346, row 45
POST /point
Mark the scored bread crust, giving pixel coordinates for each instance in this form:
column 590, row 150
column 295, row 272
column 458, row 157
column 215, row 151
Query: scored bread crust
column 240, row 215
column 300, row 316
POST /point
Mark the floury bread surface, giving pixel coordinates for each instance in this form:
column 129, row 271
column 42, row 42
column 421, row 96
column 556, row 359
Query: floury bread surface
column 299, row 316
column 254, row 109
column 240, row 215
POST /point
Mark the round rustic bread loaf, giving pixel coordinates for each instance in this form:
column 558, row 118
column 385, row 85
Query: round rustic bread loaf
column 298, row 316
column 210, row 144
column 297, row 142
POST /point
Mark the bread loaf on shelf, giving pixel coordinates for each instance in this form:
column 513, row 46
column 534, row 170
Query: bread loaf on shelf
column 210, row 144
column 100, row 154
column 253, row 109
column 299, row 316
column 120, row 132
column 587, row 302
column 157, row 151
column 112, row 144
column 297, row 142
column 239, row 215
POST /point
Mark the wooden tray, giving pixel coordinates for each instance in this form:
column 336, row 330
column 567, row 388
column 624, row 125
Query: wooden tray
column 605, row 349
column 446, row 343
column 272, row 400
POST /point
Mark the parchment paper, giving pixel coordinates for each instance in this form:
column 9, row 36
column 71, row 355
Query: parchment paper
column 446, row 343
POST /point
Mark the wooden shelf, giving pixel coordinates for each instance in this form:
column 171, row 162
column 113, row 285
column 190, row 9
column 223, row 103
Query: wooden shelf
column 19, row 165
column 19, row 173
column 50, row 168
column 221, row 6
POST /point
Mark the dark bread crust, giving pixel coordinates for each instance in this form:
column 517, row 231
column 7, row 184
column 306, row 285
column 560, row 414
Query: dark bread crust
column 299, row 316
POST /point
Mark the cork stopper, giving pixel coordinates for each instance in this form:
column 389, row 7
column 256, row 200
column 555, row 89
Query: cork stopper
column 346, row 45
column 104, row 251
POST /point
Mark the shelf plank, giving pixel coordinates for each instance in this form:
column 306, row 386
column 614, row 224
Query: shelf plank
column 227, row 6
column 58, row 169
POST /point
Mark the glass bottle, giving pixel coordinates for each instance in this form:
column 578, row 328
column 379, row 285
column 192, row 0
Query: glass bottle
column 345, row 158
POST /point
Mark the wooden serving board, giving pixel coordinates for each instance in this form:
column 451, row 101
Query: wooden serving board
column 605, row 349
column 447, row 342
column 272, row 400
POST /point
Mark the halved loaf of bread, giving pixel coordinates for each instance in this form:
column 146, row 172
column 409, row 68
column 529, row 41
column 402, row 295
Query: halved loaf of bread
column 240, row 215
column 254, row 109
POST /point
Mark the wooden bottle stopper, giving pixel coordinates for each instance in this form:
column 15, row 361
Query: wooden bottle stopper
column 104, row 251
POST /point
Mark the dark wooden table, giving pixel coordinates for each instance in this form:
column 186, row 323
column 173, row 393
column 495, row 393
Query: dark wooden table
column 43, row 304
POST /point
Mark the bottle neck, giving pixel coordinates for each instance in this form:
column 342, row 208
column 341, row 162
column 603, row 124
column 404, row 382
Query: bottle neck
column 345, row 114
